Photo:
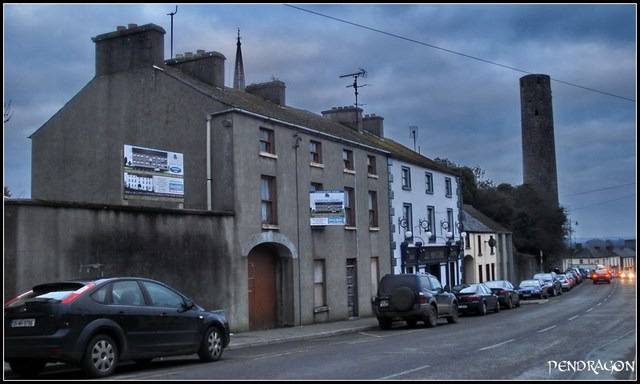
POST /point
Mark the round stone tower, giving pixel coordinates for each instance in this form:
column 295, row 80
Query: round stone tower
column 538, row 143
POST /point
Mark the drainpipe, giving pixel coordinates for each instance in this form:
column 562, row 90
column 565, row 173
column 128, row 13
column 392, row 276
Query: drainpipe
column 209, row 162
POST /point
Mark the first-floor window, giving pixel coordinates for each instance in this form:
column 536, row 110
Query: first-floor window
column 349, row 214
column 268, row 195
column 373, row 209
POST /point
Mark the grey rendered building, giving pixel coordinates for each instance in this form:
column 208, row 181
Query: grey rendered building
column 231, row 225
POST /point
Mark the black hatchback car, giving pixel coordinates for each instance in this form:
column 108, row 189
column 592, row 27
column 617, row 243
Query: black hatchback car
column 97, row 323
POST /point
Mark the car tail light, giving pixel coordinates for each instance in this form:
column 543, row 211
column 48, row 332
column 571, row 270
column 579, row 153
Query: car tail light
column 422, row 299
column 8, row 303
column 473, row 296
column 74, row 295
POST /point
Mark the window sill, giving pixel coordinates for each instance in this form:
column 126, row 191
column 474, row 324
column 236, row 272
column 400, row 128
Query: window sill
column 269, row 155
column 270, row 226
column 316, row 165
column 350, row 171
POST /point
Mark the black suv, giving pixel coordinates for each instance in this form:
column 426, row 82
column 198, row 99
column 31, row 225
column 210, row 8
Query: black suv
column 412, row 298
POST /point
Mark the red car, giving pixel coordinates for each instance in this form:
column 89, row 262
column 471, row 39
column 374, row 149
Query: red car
column 601, row 276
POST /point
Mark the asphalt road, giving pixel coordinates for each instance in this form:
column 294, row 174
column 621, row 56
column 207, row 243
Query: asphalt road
column 588, row 333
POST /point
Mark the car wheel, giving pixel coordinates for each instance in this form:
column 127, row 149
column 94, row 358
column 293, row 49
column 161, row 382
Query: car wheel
column 454, row 314
column 432, row 317
column 483, row 310
column 27, row 367
column 509, row 304
column 101, row 357
column 402, row 298
column 497, row 308
column 385, row 323
column 211, row 346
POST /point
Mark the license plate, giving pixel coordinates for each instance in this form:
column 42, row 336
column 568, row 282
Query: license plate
column 384, row 303
column 18, row 323
column 526, row 294
column 462, row 306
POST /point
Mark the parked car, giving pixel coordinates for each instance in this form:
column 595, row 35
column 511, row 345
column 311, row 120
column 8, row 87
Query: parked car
column 95, row 324
column 601, row 276
column 566, row 282
column 506, row 292
column 577, row 276
column 412, row 298
column 551, row 280
column 533, row 289
column 476, row 298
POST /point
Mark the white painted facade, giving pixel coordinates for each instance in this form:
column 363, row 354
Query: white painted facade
column 421, row 202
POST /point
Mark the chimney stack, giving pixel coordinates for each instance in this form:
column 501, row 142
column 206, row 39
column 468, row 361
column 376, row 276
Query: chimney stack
column 129, row 48
column 373, row 124
column 350, row 116
column 204, row 66
column 273, row 91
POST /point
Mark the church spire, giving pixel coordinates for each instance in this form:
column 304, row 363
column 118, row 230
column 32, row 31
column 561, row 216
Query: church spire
column 238, row 76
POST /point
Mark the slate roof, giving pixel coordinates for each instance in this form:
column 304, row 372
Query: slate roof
column 242, row 100
column 476, row 221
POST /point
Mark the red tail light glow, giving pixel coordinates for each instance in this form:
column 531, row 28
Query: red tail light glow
column 422, row 299
column 8, row 303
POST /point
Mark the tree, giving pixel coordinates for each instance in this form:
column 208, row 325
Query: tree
column 536, row 224
column 7, row 111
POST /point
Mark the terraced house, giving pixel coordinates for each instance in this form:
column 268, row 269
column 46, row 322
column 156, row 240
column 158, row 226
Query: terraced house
column 157, row 169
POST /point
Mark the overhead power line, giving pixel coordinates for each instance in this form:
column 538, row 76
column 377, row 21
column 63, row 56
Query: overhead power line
column 456, row 53
column 601, row 189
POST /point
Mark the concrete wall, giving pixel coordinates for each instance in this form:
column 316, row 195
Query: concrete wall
column 191, row 251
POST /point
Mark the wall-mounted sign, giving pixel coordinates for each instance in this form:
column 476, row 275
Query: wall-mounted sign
column 326, row 207
column 153, row 174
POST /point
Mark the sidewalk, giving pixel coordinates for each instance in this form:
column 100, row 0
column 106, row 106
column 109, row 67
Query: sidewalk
column 302, row 332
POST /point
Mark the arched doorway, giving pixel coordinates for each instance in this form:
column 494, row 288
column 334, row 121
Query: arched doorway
column 261, row 272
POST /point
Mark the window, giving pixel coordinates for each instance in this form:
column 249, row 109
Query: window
column 349, row 207
column 316, row 187
column 315, row 151
column 447, row 186
column 406, row 178
column 347, row 157
column 428, row 182
column 371, row 165
column 162, row 296
column 479, row 245
column 452, row 225
column 431, row 216
column 408, row 216
column 319, row 295
column 267, row 144
column 373, row 209
column 267, row 193
column 127, row 293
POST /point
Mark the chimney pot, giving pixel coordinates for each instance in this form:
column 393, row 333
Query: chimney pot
column 120, row 28
column 132, row 26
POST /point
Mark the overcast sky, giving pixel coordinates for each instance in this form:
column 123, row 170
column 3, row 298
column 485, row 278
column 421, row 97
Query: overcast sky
column 452, row 71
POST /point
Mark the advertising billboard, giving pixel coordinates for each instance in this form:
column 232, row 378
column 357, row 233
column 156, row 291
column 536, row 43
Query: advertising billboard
column 326, row 208
column 153, row 174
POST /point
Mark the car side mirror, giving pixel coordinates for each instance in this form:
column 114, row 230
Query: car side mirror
column 187, row 305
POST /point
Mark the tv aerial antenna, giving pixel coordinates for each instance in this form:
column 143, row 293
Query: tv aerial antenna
column 362, row 73
column 171, row 14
